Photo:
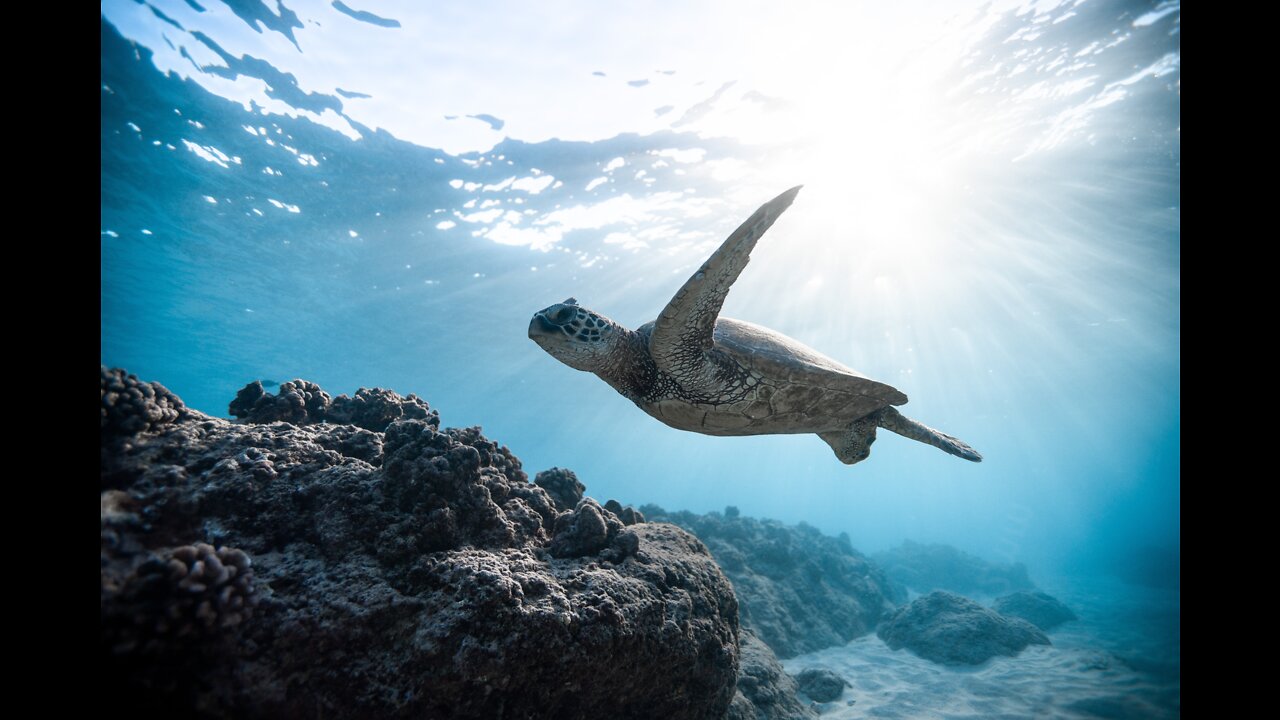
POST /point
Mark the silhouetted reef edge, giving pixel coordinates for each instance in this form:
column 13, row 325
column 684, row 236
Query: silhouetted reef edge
column 346, row 556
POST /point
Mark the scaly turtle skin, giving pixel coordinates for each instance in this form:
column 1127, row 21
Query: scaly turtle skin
column 695, row 370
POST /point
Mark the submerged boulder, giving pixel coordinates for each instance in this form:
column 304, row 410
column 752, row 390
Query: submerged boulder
column 821, row 684
column 952, row 630
column 320, row 569
column 799, row 590
column 1044, row 611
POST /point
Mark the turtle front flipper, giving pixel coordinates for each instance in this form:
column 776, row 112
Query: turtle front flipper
column 894, row 421
column 683, row 331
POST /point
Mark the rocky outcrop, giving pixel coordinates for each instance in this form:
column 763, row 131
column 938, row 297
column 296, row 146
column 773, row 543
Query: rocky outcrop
column 798, row 589
column 628, row 514
column 765, row 690
column 562, row 486
column 375, row 409
column 925, row 568
column 588, row 530
column 1044, row 611
column 315, row 569
column 303, row 403
column 131, row 406
column 299, row 402
column 821, row 684
column 952, row 630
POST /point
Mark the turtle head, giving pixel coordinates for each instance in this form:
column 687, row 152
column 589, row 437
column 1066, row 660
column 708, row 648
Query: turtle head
column 574, row 335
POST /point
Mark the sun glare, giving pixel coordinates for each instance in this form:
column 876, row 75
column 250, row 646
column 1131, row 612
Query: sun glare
column 865, row 121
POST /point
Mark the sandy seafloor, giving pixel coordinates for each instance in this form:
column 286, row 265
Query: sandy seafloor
column 1121, row 659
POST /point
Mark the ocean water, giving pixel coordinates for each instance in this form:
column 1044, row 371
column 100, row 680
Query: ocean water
column 382, row 194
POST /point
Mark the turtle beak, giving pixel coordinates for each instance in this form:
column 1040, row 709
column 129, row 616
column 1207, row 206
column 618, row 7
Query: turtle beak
column 540, row 325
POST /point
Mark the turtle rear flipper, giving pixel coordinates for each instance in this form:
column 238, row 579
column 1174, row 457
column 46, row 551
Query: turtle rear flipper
column 894, row 421
column 853, row 444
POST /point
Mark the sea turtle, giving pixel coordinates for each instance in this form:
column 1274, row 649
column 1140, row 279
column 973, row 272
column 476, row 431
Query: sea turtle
column 695, row 370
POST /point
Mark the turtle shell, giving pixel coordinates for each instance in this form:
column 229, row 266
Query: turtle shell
column 796, row 389
column 799, row 371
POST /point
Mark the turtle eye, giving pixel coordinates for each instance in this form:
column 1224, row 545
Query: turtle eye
column 561, row 316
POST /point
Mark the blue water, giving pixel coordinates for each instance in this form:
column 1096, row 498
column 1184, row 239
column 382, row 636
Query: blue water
column 383, row 195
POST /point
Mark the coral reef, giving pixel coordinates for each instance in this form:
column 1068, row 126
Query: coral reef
column 415, row 572
column 130, row 406
column 924, row 568
column 799, row 590
column 375, row 409
column 952, row 630
column 563, row 487
column 1044, row 611
column 628, row 514
column 585, row 531
column 186, row 595
column 302, row 402
column 298, row 402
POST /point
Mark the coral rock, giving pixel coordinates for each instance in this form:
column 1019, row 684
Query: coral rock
column 628, row 515
column 185, row 595
column 1044, row 611
column 377, row 408
column 563, row 487
column 952, row 630
column 400, row 574
column 821, row 684
column 130, row 406
column 800, row 590
column 585, row 531
column 302, row 402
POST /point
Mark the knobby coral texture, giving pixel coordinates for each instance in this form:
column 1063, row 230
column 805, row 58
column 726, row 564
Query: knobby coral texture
column 348, row 558
column 301, row 402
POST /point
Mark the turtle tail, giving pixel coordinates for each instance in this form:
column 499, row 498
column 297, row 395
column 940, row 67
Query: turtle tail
column 892, row 420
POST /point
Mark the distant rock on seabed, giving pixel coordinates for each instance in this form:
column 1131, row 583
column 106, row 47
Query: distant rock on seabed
column 798, row 590
column 924, row 568
column 953, row 630
column 384, row 568
column 1040, row 609
column 821, row 684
